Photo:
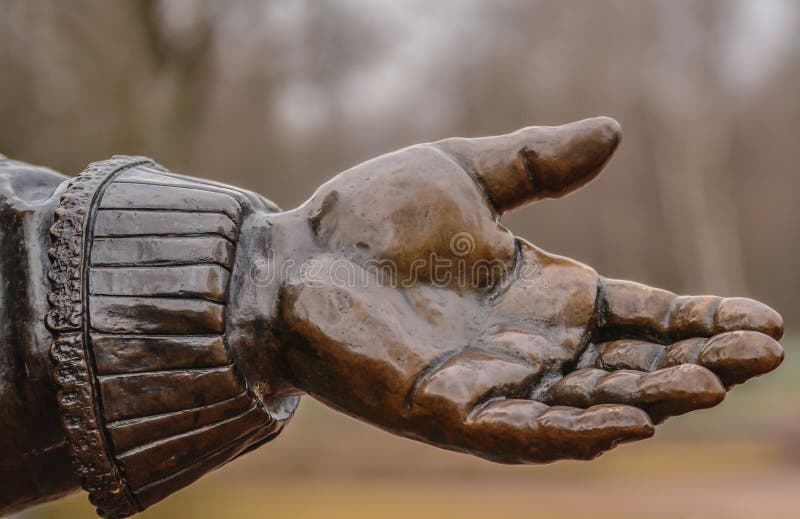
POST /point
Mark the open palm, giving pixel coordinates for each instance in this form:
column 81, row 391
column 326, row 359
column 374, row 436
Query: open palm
column 424, row 316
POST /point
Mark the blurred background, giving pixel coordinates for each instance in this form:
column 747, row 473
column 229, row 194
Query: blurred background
column 279, row 96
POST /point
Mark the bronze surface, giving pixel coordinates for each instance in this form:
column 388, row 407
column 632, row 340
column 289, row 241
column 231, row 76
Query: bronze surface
column 200, row 312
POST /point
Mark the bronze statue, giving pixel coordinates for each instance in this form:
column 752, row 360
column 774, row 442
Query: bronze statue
column 166, row 325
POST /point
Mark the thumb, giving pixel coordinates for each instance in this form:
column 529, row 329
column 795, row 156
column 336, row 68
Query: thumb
column 537, row 162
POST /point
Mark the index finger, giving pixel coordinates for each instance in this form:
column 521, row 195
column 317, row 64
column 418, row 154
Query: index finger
column 628, row 309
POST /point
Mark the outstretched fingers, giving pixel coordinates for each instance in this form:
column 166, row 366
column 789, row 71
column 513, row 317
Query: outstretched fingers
column 477, row 400
column 526, row 431
column 666, row 392
column 667, row 380
column 734, row 357
column 628, row 309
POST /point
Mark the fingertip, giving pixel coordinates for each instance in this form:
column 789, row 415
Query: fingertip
column 678, row 390
column 611, row 129
column 584, row 434
column 641, row 427
column 689, row 384
column 740, row 355
column 740, row 313
column 570, row 155
column 704, row 389
column 626, row 423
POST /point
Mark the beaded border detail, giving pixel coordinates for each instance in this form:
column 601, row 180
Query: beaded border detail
column 98, row 471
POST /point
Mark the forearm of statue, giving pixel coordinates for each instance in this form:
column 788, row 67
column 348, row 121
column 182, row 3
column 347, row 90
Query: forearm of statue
column 184, row 318
column 35, row 461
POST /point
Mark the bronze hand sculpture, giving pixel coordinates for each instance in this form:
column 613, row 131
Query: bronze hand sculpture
column 184, row 318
